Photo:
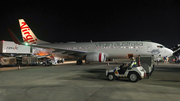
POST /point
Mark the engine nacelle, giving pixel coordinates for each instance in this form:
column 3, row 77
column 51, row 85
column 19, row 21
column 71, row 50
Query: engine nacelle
column 96, row 57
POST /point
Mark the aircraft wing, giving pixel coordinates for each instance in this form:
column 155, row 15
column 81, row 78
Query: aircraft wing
column 57, row 49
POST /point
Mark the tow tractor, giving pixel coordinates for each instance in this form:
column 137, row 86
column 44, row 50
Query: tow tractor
column 49, row 63
column 134, row 74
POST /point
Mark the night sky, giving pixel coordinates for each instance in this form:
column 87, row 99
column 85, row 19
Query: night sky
column 64, row 21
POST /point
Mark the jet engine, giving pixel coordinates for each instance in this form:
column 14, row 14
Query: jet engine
column 96, row 57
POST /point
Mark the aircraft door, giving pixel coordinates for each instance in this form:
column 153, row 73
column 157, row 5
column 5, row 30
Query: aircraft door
column 149, row 47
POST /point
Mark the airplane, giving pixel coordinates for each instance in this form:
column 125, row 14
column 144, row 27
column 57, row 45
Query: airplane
column 94, row 51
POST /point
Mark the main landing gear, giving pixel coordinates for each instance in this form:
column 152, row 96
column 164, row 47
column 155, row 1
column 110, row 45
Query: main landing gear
column 79, row 62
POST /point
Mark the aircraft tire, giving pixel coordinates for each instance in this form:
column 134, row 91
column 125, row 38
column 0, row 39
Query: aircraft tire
column 79, row 62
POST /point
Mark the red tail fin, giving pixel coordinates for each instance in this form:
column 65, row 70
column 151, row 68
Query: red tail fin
column 15, row 39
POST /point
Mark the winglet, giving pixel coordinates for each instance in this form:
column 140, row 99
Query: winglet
column 15, row 39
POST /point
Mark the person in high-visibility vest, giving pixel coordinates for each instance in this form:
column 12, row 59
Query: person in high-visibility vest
column 133, row 63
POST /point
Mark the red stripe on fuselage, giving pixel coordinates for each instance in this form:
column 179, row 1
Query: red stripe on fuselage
column 100, row 57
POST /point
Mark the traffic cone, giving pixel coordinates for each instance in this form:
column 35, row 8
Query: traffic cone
column 19, row 67
column 108, row 64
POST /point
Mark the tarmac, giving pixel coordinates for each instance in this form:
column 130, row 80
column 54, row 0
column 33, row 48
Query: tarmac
column 87, row 82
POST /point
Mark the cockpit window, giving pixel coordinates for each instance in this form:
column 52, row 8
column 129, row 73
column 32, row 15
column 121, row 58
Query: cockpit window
column 160, row 46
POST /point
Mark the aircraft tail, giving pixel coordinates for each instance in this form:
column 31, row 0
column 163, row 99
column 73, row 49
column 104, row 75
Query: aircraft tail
column 28, row 35
column 15, row 39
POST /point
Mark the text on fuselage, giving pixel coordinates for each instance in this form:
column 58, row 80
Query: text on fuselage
column 109, row 44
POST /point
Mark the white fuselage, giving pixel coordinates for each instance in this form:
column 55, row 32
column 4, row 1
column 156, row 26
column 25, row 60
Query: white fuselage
column 119, row 49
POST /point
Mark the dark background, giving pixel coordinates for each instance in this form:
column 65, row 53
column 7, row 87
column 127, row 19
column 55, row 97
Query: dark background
column 82, row 21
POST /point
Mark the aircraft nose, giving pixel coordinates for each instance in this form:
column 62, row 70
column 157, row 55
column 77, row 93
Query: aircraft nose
column 169, row 52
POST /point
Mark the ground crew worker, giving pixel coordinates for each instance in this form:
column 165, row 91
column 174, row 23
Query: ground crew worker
column 133, row 63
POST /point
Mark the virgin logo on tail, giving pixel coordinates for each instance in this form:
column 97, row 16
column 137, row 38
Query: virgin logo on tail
column 27, row 37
